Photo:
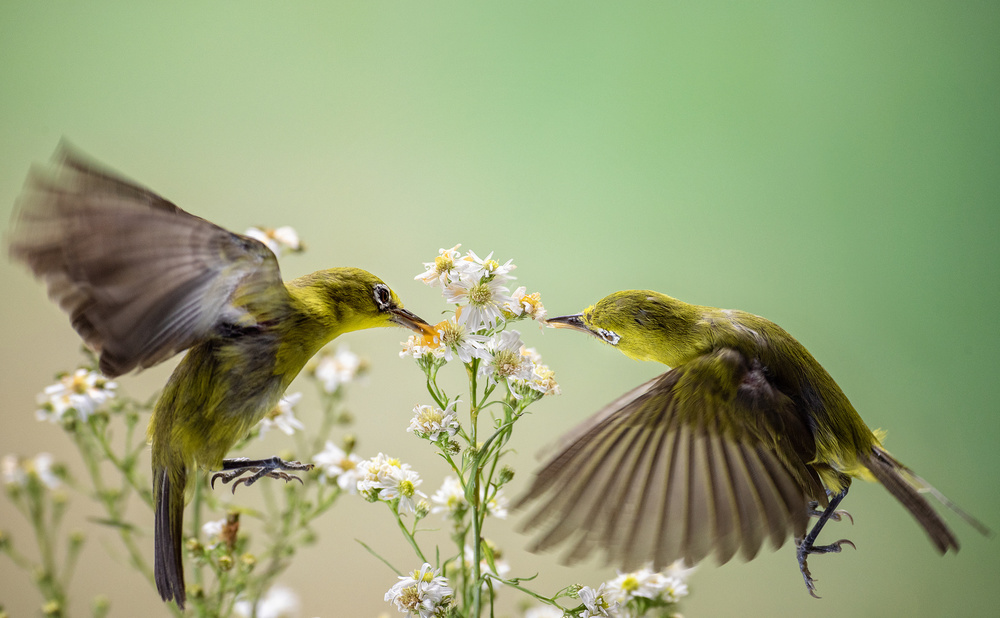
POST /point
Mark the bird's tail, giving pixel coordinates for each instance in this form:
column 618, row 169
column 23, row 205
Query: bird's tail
column 168, row 499
column 906, row 487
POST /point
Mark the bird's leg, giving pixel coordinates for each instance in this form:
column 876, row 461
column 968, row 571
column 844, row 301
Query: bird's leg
column 234, row 469
column 806, row 546
column 837, row 515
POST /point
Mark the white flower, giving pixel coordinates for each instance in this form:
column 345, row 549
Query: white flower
column 668, row 585
column 278, row 602
column 277, row 240
column 385, row 478
column 82, row 390
column 505, row 360
column 544, row 611
column 543, row 379
column 334, row 463
column 596, row 604
column 529, row 305
column 485, row 301
column 418, row 346
column 282, row 416
column 13, row 472
column 41, row 465
column 213, row 529
column 445, row 267
column 449, row 498
column 455, row 341
column 430, row 421
column 481, row 268
column 424, row 593
column 336, row 369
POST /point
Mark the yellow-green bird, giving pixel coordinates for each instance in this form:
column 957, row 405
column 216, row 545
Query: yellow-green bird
column 742, row 440
column 143, row 280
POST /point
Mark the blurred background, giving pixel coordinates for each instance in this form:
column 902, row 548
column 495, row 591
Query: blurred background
column 833, row 167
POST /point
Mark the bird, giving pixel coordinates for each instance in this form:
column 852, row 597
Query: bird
column 745, row 439
column 143, row 280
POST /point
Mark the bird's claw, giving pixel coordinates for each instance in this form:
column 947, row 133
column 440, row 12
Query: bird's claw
column 234, row 470
column 803, row 554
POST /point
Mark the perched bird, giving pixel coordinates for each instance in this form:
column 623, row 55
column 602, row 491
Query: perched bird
column 143, row 280
column 744, row 439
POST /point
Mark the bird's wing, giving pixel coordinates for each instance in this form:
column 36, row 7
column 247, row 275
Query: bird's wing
column 708, row 457
column 141, row 278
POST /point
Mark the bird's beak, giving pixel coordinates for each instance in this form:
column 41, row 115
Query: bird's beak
column 410, row 320
column 574, row 322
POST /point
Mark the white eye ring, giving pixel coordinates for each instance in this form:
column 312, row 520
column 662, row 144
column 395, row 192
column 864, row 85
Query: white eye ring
column 383, row 297
column 609, row 335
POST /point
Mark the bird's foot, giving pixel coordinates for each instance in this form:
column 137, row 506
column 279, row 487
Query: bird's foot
column 804, row 549
column 274, row 467
column 837, row 515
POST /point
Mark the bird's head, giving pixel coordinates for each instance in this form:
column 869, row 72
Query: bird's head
column 642, row 324
column 350, row 299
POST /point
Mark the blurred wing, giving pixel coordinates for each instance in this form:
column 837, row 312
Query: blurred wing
column 685, row 465
column 140, row 278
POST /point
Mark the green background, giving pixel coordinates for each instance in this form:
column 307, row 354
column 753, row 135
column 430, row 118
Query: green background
column 832, row 166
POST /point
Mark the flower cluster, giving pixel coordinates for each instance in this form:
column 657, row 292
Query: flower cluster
column 423, row 593
column 338, row 466
column 82, row 391
column 385, row 479
column 431, row 422
column 18, row 472
column 635, row 594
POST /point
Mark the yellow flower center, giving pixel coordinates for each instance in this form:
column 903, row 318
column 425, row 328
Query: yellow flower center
column 480, row 295
column 443, row 264
column 506, row 362
column 630, row 584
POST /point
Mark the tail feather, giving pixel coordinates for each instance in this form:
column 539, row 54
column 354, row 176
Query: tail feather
column 168, row 568
column 900, row 481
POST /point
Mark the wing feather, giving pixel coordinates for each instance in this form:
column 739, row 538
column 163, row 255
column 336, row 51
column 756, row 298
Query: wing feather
column 683, row 466
column 140, row 278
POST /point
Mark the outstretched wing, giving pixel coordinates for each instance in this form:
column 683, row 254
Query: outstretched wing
column 140, row 278
column 687, row 464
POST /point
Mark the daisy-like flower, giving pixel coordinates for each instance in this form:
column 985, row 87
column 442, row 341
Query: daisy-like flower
column 596, row 604
column 505, row 361
column 446, row 267
column 455, row 341
column 449, row 499
column 283, row 416
column 278, row 240
column 484, row 268
column 335, row 464
column 543, row 379
column 42, row 466
column 430, row 422
column 423, row 593
column 84, row 391
column 13, row 472
column 528, row 305
column 385, row 478
column 213, row 529
column 484, row 302
column 278, row 602
column 419, row 346
column 641, row 583
column 341, row 367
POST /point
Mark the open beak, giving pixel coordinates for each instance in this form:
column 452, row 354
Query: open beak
column 574, row 322
column 410, row 320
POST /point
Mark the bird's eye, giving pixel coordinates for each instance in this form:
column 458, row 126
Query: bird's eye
column 609, row 335
column 383, row 297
